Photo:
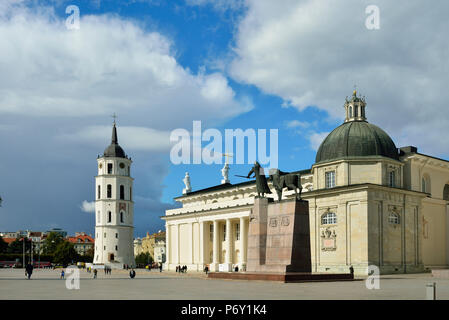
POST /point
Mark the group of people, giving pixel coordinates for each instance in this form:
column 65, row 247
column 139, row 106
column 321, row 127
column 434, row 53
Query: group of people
column 107, row 270
column 182, row 269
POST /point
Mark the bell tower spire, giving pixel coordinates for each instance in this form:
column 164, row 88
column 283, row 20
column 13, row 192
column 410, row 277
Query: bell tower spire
column 355, row 108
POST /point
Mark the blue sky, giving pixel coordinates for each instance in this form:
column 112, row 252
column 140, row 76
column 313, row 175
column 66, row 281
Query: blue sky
column 159, row 65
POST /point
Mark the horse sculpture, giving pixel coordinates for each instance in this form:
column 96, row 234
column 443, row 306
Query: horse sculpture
column 291, row 181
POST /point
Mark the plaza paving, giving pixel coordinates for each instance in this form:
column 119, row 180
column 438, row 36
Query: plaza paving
column 45, row 284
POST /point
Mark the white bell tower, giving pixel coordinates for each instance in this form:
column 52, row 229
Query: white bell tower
column 114, row 207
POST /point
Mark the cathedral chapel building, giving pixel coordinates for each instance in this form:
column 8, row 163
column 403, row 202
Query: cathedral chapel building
column 370, row 203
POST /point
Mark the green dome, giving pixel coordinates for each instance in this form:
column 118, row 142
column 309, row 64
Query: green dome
column 355, row 139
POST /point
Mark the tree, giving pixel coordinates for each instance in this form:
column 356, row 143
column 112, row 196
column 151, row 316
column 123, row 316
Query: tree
column 144, row 258
column 52, row 242
column 3, row 245
column 65, row 253
column 17, row 246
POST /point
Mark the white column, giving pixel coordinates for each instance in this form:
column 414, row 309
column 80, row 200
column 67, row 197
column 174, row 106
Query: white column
column 215, row 262
column 202, row 246
column 168, row 244
column 243, row 240
column 192, row 257
column 229, row 238
column 177, row 244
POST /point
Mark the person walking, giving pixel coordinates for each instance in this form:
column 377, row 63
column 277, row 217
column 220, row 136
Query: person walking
column 95, row 273
column 132, row 274
column 160, row 267
column 206, row 269
column 29, row 270
column 62, row 274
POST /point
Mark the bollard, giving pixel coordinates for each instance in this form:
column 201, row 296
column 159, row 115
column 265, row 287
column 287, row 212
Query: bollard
column 431, row 292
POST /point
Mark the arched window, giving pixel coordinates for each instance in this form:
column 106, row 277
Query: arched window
column 121, row 217
column 393, row 218
column 350, row 111
column 329, row 218
column 109, row 168
column 446, row 192
column 356, row 111
column 122, row 192
column 109, row 195
column 99, row 192
column 109, row 216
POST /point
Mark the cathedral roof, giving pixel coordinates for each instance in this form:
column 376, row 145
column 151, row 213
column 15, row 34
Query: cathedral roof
column 355, row 139
column 114, row 150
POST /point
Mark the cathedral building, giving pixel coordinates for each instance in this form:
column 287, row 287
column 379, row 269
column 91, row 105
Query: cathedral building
column 370, row 203
column 114, row 207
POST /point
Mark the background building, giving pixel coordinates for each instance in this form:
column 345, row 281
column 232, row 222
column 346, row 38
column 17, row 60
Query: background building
column 83, row 243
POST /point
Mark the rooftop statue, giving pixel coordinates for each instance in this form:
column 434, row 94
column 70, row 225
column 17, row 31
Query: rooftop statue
column 186, row 181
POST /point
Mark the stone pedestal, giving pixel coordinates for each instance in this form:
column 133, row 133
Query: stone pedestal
column 279, row 237
column 257, row 234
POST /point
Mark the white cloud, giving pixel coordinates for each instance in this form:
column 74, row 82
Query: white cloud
column 316, row 138
column 109, row 65
column 297, row 124
column 313, row 52
column 88, row 207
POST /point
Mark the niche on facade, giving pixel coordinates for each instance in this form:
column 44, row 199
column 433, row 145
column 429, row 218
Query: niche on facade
column 328, row 240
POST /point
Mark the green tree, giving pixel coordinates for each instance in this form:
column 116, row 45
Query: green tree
column 65, row 253
column 51, row 243
column 17, row 246
column 3, row 246
column 144, row 258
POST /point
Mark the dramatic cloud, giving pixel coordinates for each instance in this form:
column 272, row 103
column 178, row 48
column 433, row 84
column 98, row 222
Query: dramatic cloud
column 58, row 89
column 312, row 53
column 108, row 65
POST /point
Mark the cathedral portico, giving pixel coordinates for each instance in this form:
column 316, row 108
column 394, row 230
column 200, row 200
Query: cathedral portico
column 215, row 241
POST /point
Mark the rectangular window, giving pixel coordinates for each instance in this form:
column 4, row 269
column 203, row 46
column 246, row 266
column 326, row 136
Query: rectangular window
column 224, row 233
column 109, row 191
column 99, row 192
column 109, row 216
column 109, row 168
column 392, row 178
column 116, row 248
column 237, row 231
column 122, row 192
column 116, row 235
column 330, row 179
